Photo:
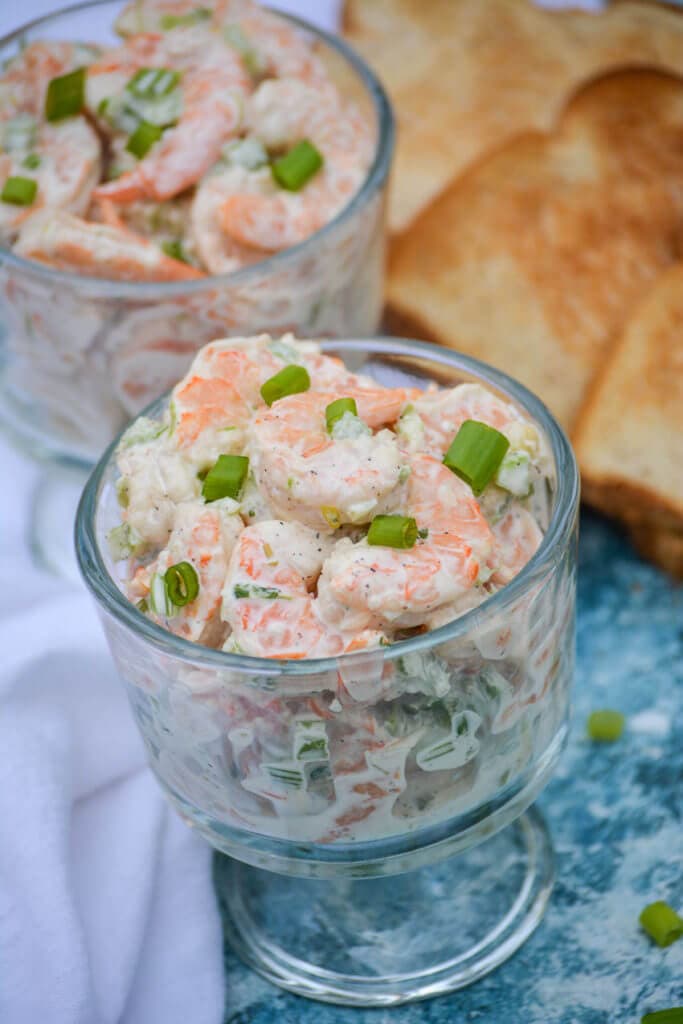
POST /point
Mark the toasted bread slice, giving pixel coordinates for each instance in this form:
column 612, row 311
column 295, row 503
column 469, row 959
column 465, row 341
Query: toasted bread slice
column 466, row 75
column 533, row 258
column 661, row 546
column 629, row 440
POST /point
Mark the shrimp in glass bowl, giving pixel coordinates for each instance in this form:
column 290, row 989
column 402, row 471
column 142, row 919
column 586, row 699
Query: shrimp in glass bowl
column 343, row 693
column 116, row 162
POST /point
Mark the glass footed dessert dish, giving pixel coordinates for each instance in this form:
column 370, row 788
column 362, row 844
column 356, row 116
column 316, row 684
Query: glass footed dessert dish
column 373, row 804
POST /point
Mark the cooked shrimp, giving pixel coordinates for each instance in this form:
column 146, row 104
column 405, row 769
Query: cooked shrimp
column 267, row 599
column 517, row 537
column 204, row 536
column 220, row 253
column 213, row 93
column 366, row 586
column 151, row 348
column 154, row 480
column 325, row 480
column 280, row 113
column 63, row 159
column 96, row 250
column 443, row 412
column 26, row 77
column 213, row 402
column 157, row 16
column 270, row 46
column 215, row 399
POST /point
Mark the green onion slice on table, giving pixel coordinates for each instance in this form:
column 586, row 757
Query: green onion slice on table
column 298, row 166
column 605, row 726
column 226, row 477
column 662, row 923
column 393, row 532
column 475, row 453
column 674, row 1015
column 291, row 380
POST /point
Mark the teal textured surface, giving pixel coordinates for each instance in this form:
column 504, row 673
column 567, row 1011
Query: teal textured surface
column 616, row 815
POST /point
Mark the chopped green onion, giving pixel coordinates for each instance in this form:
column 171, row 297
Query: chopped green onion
column 19, row 191
column 168, row 21
column 65, row 95
column 332, row 516
column 143, row 138
column 181, row 583
column 123, row 541
column 253, row 61
column 226, row 477
column 475, row 454
column 253, row 590
column 335, row 410
column 605, row 726
column 295, row 168
column 662, row 923
column 291, row 380
column 19, row 134
column 674, row 1015
column 143, row 605
column 31, row 162
column 151, row 83
column 175, row 250
column 393, row 532
column 287, row 776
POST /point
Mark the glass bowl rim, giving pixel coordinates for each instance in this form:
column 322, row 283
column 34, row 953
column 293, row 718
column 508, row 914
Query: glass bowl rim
column 557, row 536
column 375, row 178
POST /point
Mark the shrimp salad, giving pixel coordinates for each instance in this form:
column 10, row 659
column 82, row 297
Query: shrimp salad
column 210, row 138
column 285, row 507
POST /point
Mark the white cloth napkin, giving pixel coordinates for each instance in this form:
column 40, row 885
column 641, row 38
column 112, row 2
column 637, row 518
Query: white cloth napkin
column 107, row 912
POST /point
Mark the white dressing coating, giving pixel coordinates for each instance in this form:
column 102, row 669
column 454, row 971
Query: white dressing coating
column 285, row 571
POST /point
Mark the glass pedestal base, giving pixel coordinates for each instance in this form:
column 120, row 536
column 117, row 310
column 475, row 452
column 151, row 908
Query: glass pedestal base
column 389, row 940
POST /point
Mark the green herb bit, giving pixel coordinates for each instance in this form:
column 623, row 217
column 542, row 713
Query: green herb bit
column 169, row 21
column 65, row 96
column 674, row 1015
column 182, row 584
column 335, row 410
column 662, row 923
column 19, row 191
column 143, row 605
column 293, row 170
column 605, row 726
column 291, row 380
column 226, row 478
column 235, row 36
column 241, row 590
column 175, row 250
column 143, row 138
column 393, row 532
column 475, row 454
column 152, row 83
column 332, row 516
column 31, row 162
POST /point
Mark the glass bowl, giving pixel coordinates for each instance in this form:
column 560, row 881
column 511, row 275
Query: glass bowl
column 80, row 355
column 316, row 769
